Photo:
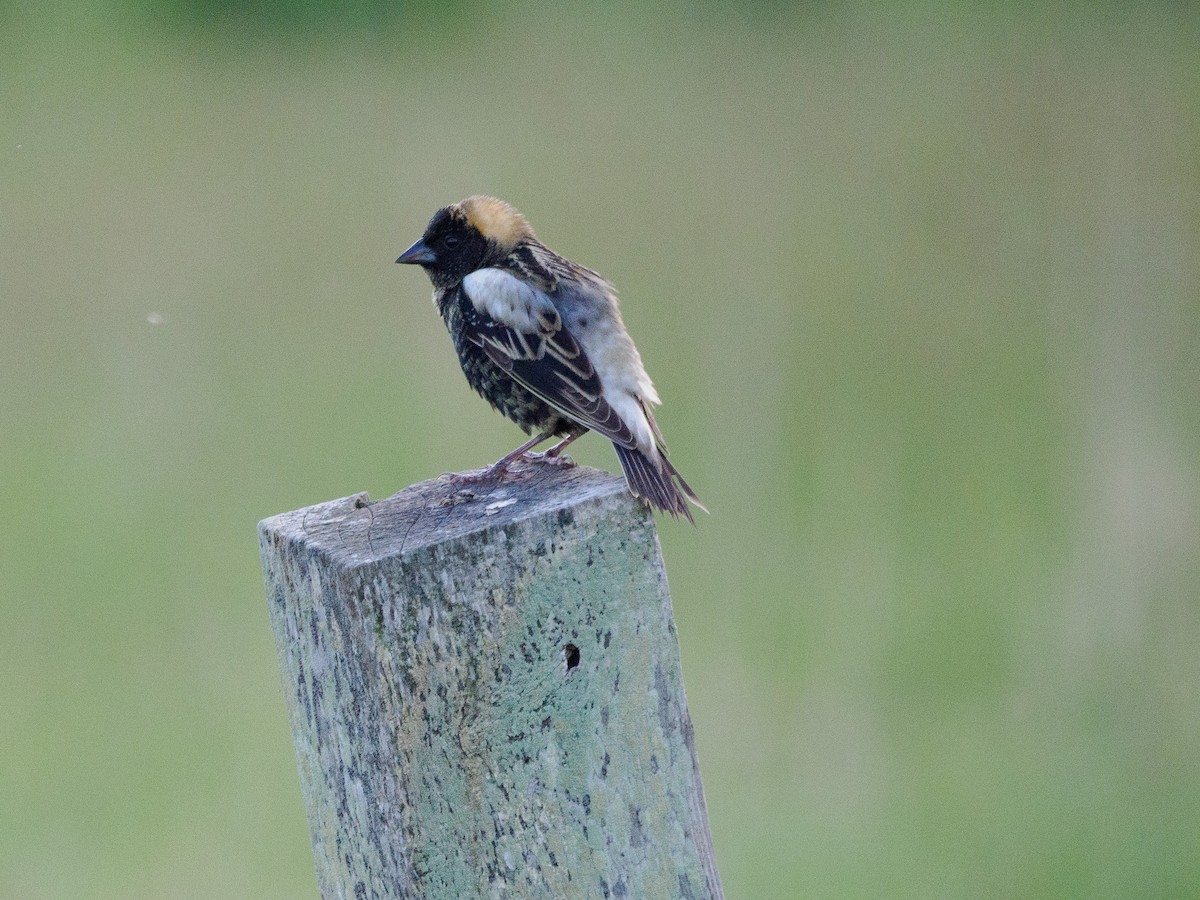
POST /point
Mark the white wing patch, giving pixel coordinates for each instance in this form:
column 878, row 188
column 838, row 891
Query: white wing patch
column 511, row 302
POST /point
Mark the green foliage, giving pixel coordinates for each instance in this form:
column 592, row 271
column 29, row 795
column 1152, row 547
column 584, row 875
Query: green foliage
column 918, row 288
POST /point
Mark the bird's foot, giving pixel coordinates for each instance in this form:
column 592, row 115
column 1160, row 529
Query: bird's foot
column 525, row 454
column 499, row 471
column 550, row 458
column 475, row 476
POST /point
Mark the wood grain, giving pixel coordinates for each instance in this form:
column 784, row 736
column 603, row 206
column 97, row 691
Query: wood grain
column 484, row 687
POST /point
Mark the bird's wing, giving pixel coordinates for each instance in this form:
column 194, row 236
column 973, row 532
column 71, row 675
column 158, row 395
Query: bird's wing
column 522, row 332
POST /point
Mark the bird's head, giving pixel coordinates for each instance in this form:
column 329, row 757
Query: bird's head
column 463, row 237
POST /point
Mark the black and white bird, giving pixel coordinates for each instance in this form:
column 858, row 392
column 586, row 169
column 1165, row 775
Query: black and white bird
column 542, row 340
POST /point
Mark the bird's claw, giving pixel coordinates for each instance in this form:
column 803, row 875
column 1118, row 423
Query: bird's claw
column 548, row 459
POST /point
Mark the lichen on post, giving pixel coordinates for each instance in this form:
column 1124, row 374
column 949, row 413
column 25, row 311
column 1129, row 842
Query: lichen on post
column 485, row 693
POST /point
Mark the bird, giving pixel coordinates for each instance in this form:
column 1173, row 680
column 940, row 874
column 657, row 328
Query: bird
column 541, row 338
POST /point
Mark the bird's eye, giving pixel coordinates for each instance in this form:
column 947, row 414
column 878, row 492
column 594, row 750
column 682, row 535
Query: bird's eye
column 450, row 241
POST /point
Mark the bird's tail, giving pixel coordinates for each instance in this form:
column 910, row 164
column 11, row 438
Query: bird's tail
column 662, row 488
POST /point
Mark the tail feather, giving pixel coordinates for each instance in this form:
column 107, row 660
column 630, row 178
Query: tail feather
column 665, row 489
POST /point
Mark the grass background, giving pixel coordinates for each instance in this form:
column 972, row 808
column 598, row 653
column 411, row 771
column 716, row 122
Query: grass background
column 919, row 285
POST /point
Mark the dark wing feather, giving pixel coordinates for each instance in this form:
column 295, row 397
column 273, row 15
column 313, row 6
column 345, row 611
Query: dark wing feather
column 544, row 357
column 533, row 346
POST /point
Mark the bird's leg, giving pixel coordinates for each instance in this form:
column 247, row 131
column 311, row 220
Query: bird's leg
column 555, row 456
column 558, row 448
column 551, row 457
column 498, row 467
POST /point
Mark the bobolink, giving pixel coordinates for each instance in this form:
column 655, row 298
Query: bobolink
column 541, row 339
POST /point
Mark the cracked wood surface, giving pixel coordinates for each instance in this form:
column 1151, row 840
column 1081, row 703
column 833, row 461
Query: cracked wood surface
column 485, row 694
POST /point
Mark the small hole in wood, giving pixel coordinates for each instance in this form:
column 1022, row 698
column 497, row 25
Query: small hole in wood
column 571, row 652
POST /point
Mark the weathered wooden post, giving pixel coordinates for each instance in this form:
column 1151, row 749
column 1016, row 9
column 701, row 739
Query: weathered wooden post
column 485, row 693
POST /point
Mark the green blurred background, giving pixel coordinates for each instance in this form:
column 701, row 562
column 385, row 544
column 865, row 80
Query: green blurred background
column 920, row 286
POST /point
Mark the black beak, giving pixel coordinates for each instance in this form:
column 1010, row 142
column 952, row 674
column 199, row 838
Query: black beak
column 418, row 253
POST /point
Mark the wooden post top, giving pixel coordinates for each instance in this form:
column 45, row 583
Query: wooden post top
column 485, row 692
column 356, row 530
